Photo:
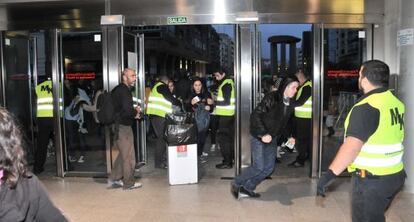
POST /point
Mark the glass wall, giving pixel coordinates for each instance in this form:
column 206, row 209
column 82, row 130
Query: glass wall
column 19, row 90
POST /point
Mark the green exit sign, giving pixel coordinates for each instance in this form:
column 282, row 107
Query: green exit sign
column 177, row 20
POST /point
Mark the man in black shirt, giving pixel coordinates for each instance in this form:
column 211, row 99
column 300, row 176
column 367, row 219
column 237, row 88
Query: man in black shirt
column 123, row 171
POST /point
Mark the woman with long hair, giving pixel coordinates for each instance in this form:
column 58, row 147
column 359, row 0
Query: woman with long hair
column 22, row 196
column 200, row 101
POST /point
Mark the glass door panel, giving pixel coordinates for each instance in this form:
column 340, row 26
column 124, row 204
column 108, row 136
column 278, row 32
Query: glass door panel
column 344, row 52
column 19, row 90
column 133, row 58
column 84, row 138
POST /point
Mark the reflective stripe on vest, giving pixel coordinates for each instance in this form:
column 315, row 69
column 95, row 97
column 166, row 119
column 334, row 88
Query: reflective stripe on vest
column 44, row 99
column 228, row 110
column 382, row 153
column 304, row 111
column 157, row 104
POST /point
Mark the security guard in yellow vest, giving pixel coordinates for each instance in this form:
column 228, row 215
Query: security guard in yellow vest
column 373, row 146
column 44, row 123
column 160, row 103
column 224, row 110
column 303, row 119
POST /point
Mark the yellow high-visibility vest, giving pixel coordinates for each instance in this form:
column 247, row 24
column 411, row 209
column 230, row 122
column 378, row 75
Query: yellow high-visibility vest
column 157, row 104
column 382, row 153
column 304, row 111
column 228, row 110
column 44, row 99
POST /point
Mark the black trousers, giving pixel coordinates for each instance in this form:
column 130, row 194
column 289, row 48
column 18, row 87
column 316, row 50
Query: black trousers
column 371, row 196
column 213, row 128
column 225, row 138
column 303, row 139
column 158, row 124
column 45, row 131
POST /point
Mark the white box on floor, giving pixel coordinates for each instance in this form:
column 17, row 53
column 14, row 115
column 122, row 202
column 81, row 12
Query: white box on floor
column 182, row 164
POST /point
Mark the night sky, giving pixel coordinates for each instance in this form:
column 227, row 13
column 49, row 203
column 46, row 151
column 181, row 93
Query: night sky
column 268, row 30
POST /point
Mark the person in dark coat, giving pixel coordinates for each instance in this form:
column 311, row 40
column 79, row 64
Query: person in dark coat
column 267, row 122
column 22, row 195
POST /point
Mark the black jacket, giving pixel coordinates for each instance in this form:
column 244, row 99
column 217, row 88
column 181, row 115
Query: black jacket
column 123, row 104
column 203, row 96
column 272, row 114
column 28, row 201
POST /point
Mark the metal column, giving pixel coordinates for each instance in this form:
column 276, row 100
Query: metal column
column 317, row 103
column 111, row 70
column 245, row 41
column 57, row 71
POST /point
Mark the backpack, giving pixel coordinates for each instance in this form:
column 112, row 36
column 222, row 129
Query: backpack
column 105, row 110
column 202, row 118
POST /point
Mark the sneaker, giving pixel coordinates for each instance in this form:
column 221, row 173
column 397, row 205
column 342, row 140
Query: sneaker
column 203, row 159
column 204, row 154
column 295, row 164
column 213, row 147
column 81, row 159
column 135, row 186
column 72, row 159
column 113, row 184
column 224, row 166
column 246, row 193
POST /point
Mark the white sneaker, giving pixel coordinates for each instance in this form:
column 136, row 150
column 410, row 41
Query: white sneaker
column 135, row 186
column 204, row 154
column 112, row 184
column 81, row 159
column 213, row 147
column 203, row 159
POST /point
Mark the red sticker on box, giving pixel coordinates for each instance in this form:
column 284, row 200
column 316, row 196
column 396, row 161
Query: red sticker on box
column 182, row 151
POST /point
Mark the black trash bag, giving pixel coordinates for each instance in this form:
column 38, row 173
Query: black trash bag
column 180, row 129
column 179, row 118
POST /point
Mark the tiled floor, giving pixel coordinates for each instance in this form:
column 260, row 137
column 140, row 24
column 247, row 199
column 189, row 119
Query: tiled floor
column 288, row 196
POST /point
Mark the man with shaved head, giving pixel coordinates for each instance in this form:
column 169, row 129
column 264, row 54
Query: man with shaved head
column 122, row 174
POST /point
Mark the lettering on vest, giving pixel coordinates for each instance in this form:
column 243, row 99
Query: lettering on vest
column 397, row 118
column 46, row 88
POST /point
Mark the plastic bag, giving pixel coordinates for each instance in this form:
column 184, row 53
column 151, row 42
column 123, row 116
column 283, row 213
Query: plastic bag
column 180, row 129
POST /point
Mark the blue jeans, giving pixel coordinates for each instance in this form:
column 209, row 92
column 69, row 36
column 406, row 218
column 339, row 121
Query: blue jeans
column 264, row 157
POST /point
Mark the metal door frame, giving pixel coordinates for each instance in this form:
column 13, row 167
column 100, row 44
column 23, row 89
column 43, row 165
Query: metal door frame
column 2, row 70
column 58, row 95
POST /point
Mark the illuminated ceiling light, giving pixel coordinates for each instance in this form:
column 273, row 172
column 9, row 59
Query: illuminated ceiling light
column 219, row 11
column 112, row 20
column 250, row 16
column 66, row 25
column 76, row 13
column 67, row 61
column 78, row 24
